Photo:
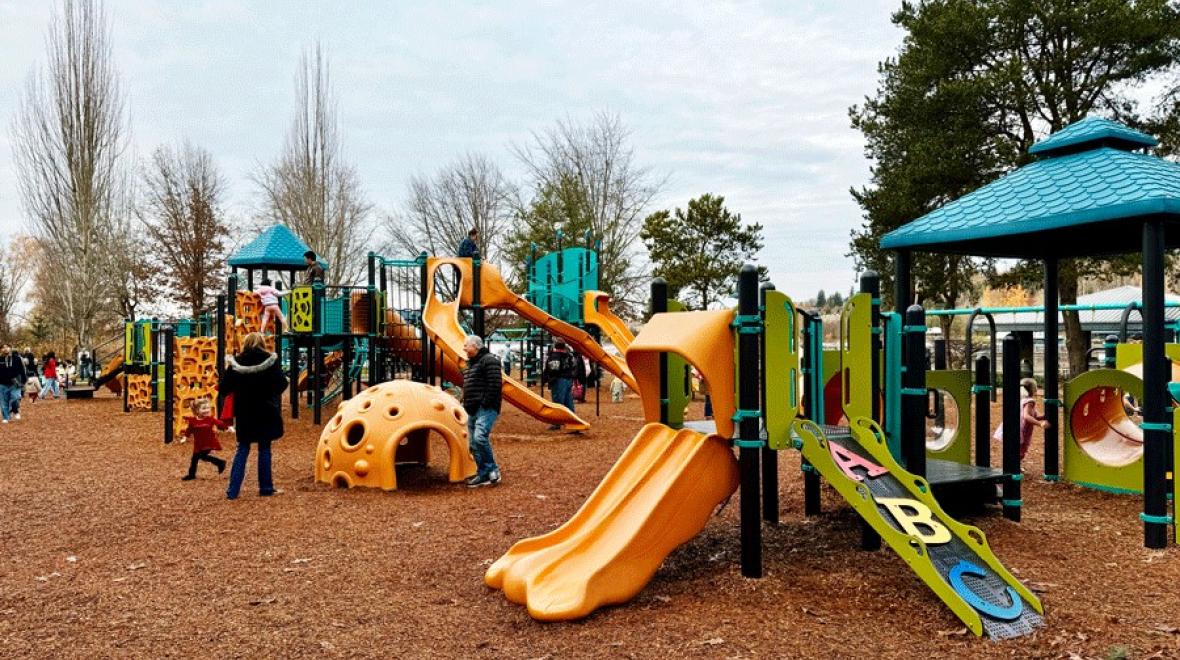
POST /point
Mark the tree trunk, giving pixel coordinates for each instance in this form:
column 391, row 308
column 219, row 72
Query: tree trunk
column 1075, row 337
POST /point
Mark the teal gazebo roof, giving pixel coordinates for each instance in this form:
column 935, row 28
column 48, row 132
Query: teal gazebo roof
column 1086, row 195
column 276, row 248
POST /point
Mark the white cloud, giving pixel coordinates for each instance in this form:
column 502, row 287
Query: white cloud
column 746, row 100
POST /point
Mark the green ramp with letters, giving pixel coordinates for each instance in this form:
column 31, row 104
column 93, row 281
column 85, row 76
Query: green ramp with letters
column 953, row 559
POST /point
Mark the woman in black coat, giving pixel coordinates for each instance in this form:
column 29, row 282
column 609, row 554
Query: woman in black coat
column 255, row 380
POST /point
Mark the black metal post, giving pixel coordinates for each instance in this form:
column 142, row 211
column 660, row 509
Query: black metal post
column 317, row 382
column 153, row 360
column 345, row 377
column 1011, row 421
column 769, row 456
column 659, row 305
column 913, row 390
column 169, row 383
column 1110, row 349
column 476, row 296
column 870, row 283
column 220, row 320
column 1052, row 402
column 812, row 366
column 293, row 384
column 374, row 321
column 427, row 349
column 1156, row 374
column 748, row 437
column 231, row 295
column 983, row 410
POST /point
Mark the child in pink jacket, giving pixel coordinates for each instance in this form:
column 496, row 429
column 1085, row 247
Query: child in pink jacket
column 270, row 305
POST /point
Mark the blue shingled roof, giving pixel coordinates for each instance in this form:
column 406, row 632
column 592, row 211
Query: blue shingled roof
column 277, row 247
column 1093, row 130
column 1097, row 184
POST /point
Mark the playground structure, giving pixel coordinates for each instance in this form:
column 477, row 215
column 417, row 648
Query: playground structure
column 1091, row 179
column 665, row 485
column 1102, row 444
column 436, row 351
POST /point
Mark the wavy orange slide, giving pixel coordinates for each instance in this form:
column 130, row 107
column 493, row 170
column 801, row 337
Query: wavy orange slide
column 494, row 293
column 596, row 311
column 441, row 321
column 658, row 495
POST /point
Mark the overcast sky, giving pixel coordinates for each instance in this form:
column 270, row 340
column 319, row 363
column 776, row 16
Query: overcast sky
column 746, row 100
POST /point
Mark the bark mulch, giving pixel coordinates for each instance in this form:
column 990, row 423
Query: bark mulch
column 105, row 552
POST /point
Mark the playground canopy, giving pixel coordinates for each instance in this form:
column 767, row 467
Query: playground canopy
column 277, row 248
column 1086, row 195
column 1093, row 191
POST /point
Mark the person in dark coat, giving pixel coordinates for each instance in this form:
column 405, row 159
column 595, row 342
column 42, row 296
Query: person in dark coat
column 468, row 246
column 481, row 399
column 255, row 380
column 12, row 383
column 561, row 368
column 315, row 272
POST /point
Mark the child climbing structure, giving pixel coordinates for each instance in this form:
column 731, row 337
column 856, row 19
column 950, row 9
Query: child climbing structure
column 664, row 487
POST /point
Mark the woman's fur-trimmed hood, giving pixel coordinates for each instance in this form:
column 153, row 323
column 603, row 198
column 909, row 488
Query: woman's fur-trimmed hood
column 249, row 363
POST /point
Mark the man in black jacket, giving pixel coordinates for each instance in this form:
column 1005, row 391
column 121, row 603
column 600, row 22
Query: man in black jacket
column 12, row 383
column 481, row 399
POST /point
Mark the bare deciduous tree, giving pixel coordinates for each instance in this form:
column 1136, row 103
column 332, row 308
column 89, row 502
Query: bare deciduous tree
column 591, row 168
column 470, row 193
column 181, row 210
column 17, row 259
column 311, row 188
column 69, row 139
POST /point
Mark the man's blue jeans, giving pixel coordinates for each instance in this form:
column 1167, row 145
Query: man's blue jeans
column 10, row 400
column 479, row 431
column 237, row 473
column 563, row 392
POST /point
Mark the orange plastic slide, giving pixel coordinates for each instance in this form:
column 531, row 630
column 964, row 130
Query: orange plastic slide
column 596, row 311
column 658, row 495
column 494, row 293
column 409, row 348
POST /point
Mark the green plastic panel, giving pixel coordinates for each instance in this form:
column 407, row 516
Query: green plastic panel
column 1080, row 467
column 678, row 375
column 301, row 309
column 1129, row 355
column 856, row 356
column 955, row 441
column 783, row 396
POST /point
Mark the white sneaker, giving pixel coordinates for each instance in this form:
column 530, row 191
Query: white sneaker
column 16, row 415
column 3, row 421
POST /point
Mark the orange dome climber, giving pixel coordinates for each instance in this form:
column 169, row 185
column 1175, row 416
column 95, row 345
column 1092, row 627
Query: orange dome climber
column 386, row 424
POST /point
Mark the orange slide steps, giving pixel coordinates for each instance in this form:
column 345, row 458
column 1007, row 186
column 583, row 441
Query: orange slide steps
column 658, row 495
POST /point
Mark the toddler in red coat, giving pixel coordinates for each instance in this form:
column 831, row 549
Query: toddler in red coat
column 202, row 428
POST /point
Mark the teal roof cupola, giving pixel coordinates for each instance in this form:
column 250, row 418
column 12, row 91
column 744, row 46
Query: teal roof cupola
column 277, row 247
column 1092, row 133
column 1087, row 194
